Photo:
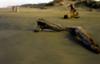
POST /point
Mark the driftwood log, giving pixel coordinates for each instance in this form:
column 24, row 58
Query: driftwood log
column 84, row 39
column 77, row 33
column 43, row 25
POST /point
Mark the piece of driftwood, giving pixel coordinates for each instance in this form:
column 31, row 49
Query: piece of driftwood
column 84, row 39
column 77, row 33
column 43, row 25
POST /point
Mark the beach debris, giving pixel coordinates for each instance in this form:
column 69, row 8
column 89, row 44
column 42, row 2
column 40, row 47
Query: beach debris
column 84, row 39
column 72, row 12
column 43, row 25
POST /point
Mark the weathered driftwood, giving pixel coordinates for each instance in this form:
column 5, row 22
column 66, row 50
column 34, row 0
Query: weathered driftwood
column 81, row 35
column 72, row 12
column 71, row 15
column 43, row 24
column 77, row 33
